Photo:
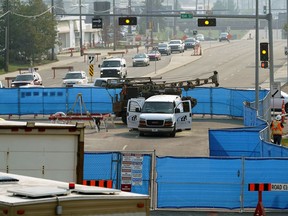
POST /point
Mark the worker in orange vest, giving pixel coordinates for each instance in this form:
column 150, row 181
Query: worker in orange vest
column 277, row 129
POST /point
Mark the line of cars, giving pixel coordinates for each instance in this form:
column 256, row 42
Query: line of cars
column 164, row 48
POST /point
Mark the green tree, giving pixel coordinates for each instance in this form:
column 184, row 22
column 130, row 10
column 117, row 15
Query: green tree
column 32, row 30
column 285, row 28
column 225, row 7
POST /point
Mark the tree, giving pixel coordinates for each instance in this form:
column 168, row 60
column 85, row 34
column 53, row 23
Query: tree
column 225, row 7
column 285, row 28
column 32, row 30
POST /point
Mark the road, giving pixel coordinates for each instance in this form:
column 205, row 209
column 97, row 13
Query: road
column 235, row 62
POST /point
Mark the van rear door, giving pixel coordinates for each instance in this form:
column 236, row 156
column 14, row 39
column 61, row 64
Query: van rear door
column 184, row 116
column 134, row 106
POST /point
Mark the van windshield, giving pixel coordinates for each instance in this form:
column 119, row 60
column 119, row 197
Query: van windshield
column 111, row 64
column 158, row 107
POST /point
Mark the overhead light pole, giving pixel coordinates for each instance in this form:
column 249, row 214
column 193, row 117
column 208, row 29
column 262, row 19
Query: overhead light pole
column 80, row 26
column 6, row 65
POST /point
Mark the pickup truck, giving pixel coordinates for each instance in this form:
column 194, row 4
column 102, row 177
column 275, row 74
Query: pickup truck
column 176, row 46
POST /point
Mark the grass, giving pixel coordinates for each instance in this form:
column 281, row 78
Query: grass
column 14, row 67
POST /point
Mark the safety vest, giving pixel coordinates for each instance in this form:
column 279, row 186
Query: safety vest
column 276, row 127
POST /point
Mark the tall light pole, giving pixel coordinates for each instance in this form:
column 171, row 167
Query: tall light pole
column 6, row 66
column 80, row 26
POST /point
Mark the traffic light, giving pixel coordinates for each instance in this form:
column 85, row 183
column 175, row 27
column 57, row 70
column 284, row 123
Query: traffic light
column 207, row 22
column 264, row 64
column 127, row 20
column 264, row 54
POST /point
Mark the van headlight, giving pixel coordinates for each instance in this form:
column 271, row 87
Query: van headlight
column 142, row 122
column 168, row 122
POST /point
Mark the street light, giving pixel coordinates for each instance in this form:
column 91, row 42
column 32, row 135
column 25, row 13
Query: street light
column 80, row 25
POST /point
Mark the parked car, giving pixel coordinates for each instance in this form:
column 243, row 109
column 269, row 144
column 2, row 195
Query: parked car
column 2, row 85
column 74, row 78
column 141, row 59
column 190, row 43
column 224, row 36
column 154, row 55
column 27, row 79
column 176, row 46
column 200, row 37
column 276, row 102
column 164, row 48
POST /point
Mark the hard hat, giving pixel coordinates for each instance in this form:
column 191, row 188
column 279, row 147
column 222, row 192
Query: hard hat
column 278, row 117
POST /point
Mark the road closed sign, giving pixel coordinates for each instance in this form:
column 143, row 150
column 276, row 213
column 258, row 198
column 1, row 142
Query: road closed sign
column 279, row 187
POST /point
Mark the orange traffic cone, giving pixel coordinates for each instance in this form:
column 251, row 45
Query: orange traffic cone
column 283, row 112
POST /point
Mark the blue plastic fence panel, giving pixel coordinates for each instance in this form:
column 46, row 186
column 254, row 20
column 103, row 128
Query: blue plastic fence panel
column 198, row 182
column 98, row 166
column 266, row 170
column 96, row 100
column 203, row 96
column 9, row 103
column 144, row 186
column 54, row 100
column 235, row 142
column 272, row 150
column 31, row 101
column 105, row 166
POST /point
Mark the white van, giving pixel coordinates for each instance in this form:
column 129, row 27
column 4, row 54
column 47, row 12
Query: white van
column 113, row 67
column 159, row 114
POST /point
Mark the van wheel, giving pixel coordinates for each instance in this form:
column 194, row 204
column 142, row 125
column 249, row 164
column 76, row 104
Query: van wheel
column 124, row 118
column 173, row 133
column 286, row 107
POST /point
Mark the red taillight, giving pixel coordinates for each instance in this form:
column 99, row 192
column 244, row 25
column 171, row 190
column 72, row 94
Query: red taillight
column 71, row 185
column 20, row 212
column 140, row 205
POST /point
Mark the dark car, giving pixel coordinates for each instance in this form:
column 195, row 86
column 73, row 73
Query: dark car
column 224, row 36
column 190, row 43
column 164, row 48
column 154, row 55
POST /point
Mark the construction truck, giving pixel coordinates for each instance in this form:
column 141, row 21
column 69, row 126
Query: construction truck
column 146, row 87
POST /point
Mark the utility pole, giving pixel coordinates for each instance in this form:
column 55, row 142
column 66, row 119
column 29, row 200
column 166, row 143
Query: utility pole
column 7, row 29
column 80, row 26
column 52, row 10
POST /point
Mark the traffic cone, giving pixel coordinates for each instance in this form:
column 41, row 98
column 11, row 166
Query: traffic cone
column 283, row 114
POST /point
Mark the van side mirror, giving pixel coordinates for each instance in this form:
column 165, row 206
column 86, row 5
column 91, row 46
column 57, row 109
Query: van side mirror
column 124, row 65
column 177, row 110
column 99, row 66
column 137, row 109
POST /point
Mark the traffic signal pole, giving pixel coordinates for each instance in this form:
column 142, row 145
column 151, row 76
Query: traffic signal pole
column 271, row 61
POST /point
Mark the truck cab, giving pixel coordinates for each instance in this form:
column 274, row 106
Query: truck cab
column 159, row 114
column 113, row 67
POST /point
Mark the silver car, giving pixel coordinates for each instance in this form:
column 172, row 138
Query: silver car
column 141, row 59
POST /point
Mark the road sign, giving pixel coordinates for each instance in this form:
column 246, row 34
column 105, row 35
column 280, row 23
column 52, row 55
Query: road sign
column 97, row 23
column 279, row 187
column 186, row 16
column 276, row 90
column 91, row 70
column 91, row 59
column 286, row 51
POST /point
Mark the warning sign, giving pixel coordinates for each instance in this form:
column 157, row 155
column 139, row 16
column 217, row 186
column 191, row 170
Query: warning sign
column 91, row 70
column 279, row 187
column 131, row 171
